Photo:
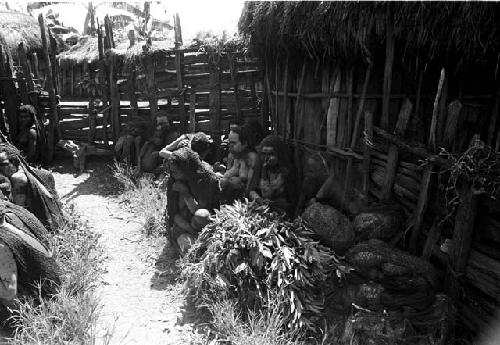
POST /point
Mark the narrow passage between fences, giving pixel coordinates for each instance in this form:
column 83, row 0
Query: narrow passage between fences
column 141, row 301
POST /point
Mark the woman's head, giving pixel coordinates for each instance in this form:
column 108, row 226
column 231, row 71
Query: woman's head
column 26, row 115
column 274, row 153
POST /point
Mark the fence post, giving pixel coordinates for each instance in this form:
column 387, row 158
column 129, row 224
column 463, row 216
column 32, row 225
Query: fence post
column 179, row 60
column 53, row 115
column 10, row 94
column 214, row 103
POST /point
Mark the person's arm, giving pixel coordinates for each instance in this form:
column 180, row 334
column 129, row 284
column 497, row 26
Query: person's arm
column 138, row 168
column 32, row 147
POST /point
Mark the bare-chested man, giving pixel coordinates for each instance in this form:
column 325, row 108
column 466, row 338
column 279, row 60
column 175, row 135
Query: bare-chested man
column 27, row 137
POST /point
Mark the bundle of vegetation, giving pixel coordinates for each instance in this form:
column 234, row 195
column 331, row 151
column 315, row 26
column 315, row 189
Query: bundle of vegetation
column 248, row 253
column 477, row 168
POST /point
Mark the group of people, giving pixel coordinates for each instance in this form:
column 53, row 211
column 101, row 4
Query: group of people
column 255, row 167
column 29, row 210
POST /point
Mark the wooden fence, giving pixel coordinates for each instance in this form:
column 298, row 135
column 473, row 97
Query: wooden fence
column 384, row 141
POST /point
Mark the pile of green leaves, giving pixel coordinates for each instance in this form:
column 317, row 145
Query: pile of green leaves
column 250, row 253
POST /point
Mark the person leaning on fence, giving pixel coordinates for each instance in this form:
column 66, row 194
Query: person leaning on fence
column 276, row 182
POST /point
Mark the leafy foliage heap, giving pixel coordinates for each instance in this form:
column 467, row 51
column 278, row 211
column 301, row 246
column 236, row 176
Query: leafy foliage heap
column 478, row 166
column 249, row 253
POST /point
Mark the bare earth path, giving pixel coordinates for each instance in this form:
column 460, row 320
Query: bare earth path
column 142, row 303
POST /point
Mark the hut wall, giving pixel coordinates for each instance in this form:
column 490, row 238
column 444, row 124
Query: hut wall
column 314, row 106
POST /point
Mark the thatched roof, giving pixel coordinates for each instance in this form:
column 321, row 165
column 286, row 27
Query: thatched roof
column 466, row 31
column 17, row 27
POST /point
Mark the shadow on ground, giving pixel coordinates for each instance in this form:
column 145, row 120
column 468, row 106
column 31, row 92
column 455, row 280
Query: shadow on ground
column 97, row 179
column 168, row 269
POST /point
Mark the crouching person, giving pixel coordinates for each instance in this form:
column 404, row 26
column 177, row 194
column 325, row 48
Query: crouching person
column 33, row 189
column 194, row 193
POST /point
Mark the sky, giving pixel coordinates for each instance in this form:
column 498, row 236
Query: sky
column 195, row 15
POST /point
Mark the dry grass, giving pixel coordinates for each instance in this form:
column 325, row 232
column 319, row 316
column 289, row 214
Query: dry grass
column 70, row 316
column 146, row 198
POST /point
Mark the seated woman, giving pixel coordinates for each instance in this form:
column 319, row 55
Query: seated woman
column 198, row 193
column 32, row 188
column 30, row 136
column 128, row 145
column 276, row 182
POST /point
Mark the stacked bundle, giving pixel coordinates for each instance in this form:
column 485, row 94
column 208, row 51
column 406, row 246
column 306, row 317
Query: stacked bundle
column 389, row 295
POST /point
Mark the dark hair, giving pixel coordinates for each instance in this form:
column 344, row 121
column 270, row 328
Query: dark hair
column 242, row 133
column 28, row 108
column 200, row 143
column 254, row 132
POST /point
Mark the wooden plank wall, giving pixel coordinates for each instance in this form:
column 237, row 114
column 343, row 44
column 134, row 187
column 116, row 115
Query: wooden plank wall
column 332, row 109
column 169, row 92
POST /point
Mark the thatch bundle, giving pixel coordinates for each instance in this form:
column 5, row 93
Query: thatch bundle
column 463, row 31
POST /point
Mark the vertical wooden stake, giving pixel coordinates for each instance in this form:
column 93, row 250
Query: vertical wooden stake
column 131, row 91
column 333, row 110
column 92, row 113
column 234, row 78
column 462, row 240
column 179, row 67
column 286, row 115
column 348, row 129
column 53, row 115
column 9, row 92
column 389, row 62
column 493, row 118
column 442, row 115
column 115, row 99
column 36, row 72
column 192, row 111
column 432, row 134
column 24, row 82
column 393, row 154
column 367, row 152
column 151, row 87
column 214, row 105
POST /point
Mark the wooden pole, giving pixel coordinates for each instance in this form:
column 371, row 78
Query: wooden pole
column 462, row 240
column 151, row 87
column 432, row 134
column 131, row 91
column 286, row 115
column 36, row 72
column 24, row 77
column 53, row 62
column 234, row 74
column 214, row 105
column 393, row 154
column 115, row 99
column 179, row 67
column 426, row 176
column 264, row 109
column 333, row 110
column 92, row 113
column 192, row 111
column 442, row 115
column 354, row 135
column 9, row 93
column 493, row 118
column 367, row 152
column 53, row 115
column 103, row 78
column 348, row 129
column 389, row 61
column 177, row 31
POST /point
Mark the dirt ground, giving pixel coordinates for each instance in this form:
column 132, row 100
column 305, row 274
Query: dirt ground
column 141, row 301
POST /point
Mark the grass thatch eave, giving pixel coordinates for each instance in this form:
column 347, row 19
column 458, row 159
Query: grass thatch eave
column 85, row 50
column 349, row 31
column 16, row 28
